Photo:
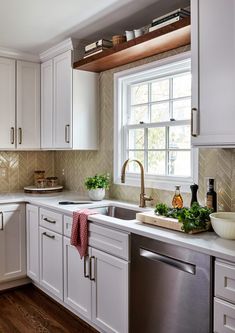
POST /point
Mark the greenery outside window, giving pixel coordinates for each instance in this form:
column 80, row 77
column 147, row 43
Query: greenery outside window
column 152, row 121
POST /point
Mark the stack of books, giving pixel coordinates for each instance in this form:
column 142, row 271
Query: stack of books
column 169, row 18
column 97, row 47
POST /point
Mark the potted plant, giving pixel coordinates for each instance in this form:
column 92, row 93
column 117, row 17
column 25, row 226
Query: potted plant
column 96, row 186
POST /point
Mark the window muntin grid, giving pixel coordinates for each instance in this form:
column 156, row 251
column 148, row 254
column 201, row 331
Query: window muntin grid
column 157, row 128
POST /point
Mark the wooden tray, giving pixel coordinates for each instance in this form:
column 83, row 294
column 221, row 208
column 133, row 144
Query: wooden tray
column 164, row 222
column 33, row 189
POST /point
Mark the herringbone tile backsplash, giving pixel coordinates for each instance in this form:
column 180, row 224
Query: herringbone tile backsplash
column 17, row 168
column 72, row 167
column 216, row 163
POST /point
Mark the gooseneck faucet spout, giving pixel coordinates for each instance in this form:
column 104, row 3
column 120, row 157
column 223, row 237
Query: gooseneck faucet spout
column 143, row 197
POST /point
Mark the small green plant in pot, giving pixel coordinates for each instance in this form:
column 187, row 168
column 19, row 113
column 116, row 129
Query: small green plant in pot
column 97, row 185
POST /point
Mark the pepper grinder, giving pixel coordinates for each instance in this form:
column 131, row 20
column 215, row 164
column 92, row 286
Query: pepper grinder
column 194, row 189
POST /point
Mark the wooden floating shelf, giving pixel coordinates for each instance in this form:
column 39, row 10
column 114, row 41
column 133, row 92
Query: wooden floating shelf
column 152, row 43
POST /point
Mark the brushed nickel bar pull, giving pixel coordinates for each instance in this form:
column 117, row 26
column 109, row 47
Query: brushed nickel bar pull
column 84, row 267
column 20, row 135
column 194, row 122
column 67, row 133
column 183, row 266
column 49, row 236
column 2, row 223
column 12, row 135
column 92, row 278
column 49, row 221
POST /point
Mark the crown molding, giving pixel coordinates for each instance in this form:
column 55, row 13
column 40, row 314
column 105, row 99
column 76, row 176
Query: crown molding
column 67, row 45
column 18, row 55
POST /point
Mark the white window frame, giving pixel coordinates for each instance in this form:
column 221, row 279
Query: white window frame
column 121, row 80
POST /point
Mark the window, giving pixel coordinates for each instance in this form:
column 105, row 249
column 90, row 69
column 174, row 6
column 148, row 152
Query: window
column 152, row 121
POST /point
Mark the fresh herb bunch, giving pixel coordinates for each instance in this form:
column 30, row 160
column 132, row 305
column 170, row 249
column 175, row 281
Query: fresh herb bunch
column 193, row 218
column 98, row 181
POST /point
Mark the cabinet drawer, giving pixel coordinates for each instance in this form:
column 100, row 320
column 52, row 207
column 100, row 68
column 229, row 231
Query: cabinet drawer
column 51, row 220
column 225, row 280
column 109, row 240
column 224, row 316
column 68, row 221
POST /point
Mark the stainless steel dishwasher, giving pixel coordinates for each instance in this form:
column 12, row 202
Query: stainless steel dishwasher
column 170, row 288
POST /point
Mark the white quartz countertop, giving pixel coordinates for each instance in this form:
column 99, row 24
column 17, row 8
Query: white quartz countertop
column 206, row 242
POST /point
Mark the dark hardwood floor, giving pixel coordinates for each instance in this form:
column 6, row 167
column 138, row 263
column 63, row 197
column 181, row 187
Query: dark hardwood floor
column 26, row 310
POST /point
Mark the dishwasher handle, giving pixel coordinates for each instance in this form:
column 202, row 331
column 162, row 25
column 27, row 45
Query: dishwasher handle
column 183, row 266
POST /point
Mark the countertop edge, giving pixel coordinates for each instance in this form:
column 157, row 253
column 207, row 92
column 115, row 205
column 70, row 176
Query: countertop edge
column 207, row 242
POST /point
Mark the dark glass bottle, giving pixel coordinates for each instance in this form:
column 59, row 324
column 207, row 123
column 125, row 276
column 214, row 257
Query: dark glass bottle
column 194, row 189
column 211, row 196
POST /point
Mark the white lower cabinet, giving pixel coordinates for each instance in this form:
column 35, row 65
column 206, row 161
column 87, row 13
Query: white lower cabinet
column 12, row 242
column 95, row 287
column 51, row 262
column 224, row 316
column 109, row 292
column 77, row 285
column 32, row 233
column 224, row 300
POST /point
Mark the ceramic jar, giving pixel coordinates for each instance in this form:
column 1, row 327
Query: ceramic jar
column 38, row 174
column 52, row 181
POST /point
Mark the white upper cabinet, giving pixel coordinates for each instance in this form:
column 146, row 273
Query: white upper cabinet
column 47, row 104
column 28, row 105
column 63, row 100
column 213, row 72
column 7, row 103
column 19, row 104
column 69, row 99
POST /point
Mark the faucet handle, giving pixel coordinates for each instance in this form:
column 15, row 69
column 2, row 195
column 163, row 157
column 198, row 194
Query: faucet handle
column 143, row 199
column 146, row 198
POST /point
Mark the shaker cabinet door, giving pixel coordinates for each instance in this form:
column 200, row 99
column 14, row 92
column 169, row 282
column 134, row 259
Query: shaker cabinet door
column 51, row 262
column 7, row 103
column 28, row 105
column 63, row 101
column 213, row 72
column 77, row 285
column 47, row 104
column 12, row 242
column 109, row 292
column 32, row 233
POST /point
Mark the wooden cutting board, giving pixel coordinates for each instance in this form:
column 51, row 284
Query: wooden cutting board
column 164, row 222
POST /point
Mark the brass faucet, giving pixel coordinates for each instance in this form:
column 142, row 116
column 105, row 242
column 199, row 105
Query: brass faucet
column 143, row 197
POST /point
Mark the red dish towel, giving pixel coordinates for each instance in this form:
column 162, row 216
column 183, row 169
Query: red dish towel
column 79, row 233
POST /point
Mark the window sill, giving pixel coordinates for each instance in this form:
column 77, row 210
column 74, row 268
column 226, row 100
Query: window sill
column 157, row 184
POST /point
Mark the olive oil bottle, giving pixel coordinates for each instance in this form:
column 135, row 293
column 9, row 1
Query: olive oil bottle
column 177, row 201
